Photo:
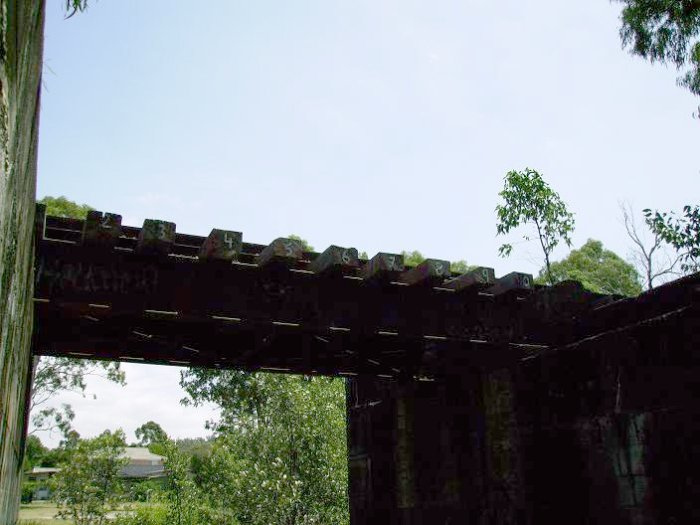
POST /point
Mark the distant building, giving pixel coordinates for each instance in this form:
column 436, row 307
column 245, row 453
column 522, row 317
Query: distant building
column 41, row 476
column 142, row 464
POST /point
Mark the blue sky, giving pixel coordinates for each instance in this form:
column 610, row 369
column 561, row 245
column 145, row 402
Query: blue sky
column 382, row 125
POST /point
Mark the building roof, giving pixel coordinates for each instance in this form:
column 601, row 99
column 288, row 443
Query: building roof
column 44, row 470
column 141, row 454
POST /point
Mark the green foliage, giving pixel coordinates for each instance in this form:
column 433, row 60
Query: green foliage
column 665, row 31
column 62, row 207
column 75, row 6
column 280, row 453
column 143, row 489
column 415, row 257
column 143, row 515
column 304, row 243
column 599, row 270
column 181, row 495
column 28, row 489
column 683, row 233
column 88, row 487
column 150, row 433
column 34, row 453
column 528, row 200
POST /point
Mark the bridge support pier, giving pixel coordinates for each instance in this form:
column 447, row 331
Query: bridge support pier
column 602, row 431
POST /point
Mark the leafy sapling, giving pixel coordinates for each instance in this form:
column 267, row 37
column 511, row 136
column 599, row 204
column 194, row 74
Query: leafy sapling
column 528, row 200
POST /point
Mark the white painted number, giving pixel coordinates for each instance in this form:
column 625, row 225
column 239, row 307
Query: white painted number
column 439, row 268
column 228, row 241
column 162, row 231
column 105, row 222
column 289, row 247
column 392, row 262
column 485, row 274
column 345, row 257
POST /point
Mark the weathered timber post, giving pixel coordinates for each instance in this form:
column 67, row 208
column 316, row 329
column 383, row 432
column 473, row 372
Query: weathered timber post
column 21, row 48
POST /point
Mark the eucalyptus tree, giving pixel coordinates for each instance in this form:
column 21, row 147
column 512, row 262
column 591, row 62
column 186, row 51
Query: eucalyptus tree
column 529, row 201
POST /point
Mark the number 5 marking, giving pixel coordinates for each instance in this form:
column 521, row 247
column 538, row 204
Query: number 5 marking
column 289, row 247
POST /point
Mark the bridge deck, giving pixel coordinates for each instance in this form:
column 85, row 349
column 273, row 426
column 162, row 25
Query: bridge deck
column 149, row 294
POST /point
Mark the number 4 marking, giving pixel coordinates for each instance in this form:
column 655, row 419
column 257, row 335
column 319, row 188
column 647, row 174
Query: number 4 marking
column 228, row 241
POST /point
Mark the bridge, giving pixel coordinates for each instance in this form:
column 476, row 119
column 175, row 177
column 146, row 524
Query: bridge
column 470, row 398
column 150, row 294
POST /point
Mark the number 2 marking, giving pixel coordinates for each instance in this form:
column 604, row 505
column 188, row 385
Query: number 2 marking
column 439, row 268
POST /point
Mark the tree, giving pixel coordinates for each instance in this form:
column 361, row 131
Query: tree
column 34, row 453
column 649, row 255
column 62, row 207
column 280, row 452
column 60, row 374
column 150, row 433
column 528, row 200
column 665, row 31
column 597, row 269
column 415, row 257
column 683, row 233
column 88, row 486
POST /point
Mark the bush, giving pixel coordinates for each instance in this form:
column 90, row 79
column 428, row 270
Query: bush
column 28, row 489
column 151, row 515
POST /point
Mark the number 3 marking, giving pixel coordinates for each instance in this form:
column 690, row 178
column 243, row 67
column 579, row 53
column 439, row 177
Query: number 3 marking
column 162, row 231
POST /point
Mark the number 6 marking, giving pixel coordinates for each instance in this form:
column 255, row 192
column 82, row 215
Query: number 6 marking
column 345, row 257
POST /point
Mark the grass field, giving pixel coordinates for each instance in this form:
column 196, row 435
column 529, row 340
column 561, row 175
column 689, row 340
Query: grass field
column 43, row 512
column 40, row 512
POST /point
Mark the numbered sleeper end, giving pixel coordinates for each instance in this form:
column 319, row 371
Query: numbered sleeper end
column 430, row 272
column 514, row 282
column 156, row 237
column 221, row 245
column 102, row 229
column 335, row 259
column 383, row 267
column 473, row 281
column 281, row 251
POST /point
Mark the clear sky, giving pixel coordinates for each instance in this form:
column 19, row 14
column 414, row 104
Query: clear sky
column 384, row 125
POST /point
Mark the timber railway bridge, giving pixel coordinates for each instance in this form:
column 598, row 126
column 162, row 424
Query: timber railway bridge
column 471, row 398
